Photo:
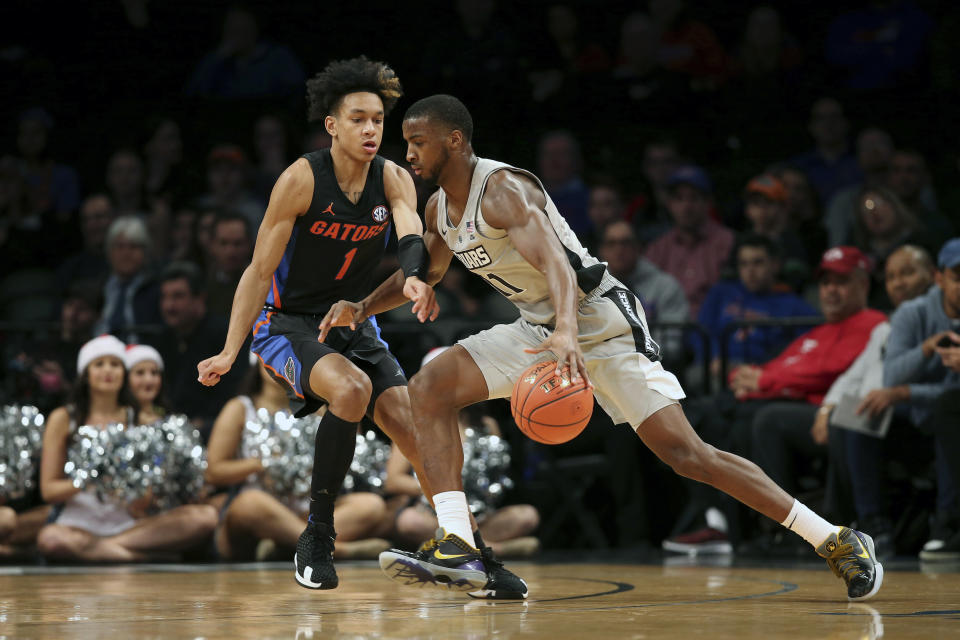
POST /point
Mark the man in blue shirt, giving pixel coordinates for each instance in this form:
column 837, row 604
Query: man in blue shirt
column 754, row 295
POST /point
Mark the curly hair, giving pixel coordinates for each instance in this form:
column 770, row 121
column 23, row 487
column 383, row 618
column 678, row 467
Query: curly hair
column 325, row 91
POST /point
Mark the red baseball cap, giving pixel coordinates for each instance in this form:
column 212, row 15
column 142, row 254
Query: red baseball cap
column 768, row 186
column 843, row 260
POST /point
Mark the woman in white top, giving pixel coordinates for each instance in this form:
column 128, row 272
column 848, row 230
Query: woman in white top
column 252, row 514
column 87, row 529
column 145, row 372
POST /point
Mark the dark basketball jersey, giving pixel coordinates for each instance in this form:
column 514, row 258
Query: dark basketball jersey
column 336, row 245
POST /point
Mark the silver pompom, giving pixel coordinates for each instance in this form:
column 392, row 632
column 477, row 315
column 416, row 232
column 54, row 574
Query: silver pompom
column 486, row 467
column 21, row 435
column 285, row 446
column 368, row 471
column 163, row 461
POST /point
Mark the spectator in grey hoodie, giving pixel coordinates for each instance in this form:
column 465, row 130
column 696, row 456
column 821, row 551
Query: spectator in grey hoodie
column 911, row 359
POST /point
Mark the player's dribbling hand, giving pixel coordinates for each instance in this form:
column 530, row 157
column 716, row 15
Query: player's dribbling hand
column 342, row 314
column 567, row 349
column 210, row 370
column 424, row 299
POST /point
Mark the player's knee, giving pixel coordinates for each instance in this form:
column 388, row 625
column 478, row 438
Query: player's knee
column 352, row 391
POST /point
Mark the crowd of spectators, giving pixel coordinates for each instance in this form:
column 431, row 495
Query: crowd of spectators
column 773, row 182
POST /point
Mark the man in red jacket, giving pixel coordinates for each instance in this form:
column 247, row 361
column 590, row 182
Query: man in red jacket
column 792, row 384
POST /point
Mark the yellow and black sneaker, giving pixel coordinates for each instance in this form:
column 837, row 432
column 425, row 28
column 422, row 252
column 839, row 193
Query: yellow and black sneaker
column 851, row 556
column 447, row 561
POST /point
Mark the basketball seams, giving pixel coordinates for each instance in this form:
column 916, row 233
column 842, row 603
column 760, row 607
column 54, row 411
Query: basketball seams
column 546, row 432
column 536, row 382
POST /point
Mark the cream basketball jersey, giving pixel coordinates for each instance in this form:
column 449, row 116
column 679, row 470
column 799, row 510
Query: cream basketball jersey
column 489, row 253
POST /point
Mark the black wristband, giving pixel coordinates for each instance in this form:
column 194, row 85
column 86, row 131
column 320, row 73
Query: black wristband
column 412, row 253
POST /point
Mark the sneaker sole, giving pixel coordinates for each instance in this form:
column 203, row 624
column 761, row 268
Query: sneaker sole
column 717, row 548
column 305, row 582
column 411, row 572
column 493, row 594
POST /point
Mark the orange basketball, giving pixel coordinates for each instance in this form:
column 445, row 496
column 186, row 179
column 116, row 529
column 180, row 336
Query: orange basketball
column 549, row 408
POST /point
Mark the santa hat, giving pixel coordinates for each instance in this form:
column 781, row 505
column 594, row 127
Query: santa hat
column 137, row 353
column 105, row 345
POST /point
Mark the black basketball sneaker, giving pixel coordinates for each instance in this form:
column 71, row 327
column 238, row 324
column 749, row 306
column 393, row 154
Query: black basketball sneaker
column 851, row 556
column 502, row 584
column 446, row 561
column 313, row 561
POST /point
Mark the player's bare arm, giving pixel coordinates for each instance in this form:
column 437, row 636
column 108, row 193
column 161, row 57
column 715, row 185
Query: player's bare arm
column 290, row 198
column 390, row 295
column 513, row 202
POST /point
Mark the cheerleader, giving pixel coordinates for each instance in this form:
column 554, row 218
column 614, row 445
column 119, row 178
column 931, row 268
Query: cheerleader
column 145, row 369
column 84, row 527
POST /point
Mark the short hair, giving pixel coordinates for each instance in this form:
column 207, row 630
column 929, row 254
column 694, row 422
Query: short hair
column 181, row 269
column 231, row 216
column 444, row 109
column 771, row 246
column 130, row 227
column 325, row 91
column 918, row 253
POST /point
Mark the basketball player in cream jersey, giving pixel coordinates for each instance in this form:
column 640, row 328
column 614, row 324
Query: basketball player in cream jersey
column 500, row 223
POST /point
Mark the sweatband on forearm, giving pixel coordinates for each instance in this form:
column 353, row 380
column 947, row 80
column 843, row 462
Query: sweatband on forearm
column 411, row 252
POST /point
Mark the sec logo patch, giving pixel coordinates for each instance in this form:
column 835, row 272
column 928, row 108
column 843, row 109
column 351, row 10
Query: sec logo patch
column 380, row 213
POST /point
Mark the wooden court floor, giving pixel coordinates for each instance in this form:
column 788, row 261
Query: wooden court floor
column 566, row 601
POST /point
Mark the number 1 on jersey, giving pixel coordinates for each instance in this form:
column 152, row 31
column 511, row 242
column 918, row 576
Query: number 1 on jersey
column 347, row 259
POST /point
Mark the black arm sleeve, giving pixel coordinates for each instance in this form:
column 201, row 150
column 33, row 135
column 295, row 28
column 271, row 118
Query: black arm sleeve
column 412, row 254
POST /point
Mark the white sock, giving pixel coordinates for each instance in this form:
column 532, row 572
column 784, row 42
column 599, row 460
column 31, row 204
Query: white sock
column 808, row 525
column 716, row 519
column 453, row 514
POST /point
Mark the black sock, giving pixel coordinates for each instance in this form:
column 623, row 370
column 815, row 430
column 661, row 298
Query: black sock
column 333, row 453
column 478, row 540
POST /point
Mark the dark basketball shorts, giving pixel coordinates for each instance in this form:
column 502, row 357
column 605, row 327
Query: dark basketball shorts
column 287, row 345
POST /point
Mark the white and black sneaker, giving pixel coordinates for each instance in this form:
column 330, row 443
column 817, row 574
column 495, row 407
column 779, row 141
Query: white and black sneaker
column 313, row 561
column 502, row 584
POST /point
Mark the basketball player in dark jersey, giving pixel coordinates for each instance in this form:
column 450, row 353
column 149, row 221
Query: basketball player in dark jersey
column 500, row 222
column 322, row 237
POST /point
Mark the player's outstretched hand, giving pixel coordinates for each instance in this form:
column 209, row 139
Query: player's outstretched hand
column 342, row 314
column 424, row 299
column 210, row 370
column 567, row 349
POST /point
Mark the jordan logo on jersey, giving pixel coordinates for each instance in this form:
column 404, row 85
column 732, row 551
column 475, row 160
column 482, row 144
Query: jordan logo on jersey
column 329, row 210
column 474, row 258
